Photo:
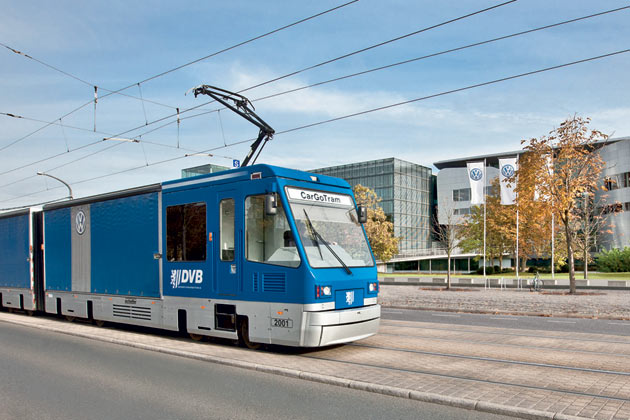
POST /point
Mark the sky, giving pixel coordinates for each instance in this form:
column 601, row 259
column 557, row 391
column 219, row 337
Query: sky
column 73, row 46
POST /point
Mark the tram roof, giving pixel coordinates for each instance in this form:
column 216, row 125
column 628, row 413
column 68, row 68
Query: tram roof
column 266, row 171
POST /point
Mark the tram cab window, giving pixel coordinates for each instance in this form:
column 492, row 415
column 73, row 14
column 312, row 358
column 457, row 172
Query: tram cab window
column 186, row 232
column 268, row 238
column 226, row 211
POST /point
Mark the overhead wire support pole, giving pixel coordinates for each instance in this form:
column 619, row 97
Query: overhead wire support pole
column 243, row 107
column 70, row 195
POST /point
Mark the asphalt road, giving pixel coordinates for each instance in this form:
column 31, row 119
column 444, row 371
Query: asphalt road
column 581, row 325
column 54, row 376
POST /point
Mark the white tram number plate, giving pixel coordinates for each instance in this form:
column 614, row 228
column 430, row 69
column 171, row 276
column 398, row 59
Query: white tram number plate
column 282, row 322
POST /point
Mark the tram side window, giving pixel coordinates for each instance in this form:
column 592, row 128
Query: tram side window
column 186, row 232
column 268, row 239
column 226, row 211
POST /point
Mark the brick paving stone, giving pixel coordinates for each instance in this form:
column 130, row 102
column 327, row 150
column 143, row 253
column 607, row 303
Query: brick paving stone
column 333, row 363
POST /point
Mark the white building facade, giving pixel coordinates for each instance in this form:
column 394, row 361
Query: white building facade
column 453, row 187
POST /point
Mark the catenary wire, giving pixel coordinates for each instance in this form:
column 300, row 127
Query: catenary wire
column 287, row 75
column 173, row 69
column 477, row 85
column 292, row 73
column 90, row 84
column 411, row 60
column 380, row 44
column 340, row 78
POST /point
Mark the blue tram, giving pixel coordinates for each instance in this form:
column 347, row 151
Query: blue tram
column 261, row 254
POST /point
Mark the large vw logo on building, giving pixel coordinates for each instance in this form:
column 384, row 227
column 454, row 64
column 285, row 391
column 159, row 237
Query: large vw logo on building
column 80, row 221
column 476, row 174
column 507, row 170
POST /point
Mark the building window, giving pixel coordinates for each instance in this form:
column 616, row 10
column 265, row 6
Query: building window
column 613, row 182
column 459, row 212
column 461, row 194
column 610, row 183
column 186, row 232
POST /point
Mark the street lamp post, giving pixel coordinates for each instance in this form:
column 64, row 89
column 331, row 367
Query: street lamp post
column 60, row 180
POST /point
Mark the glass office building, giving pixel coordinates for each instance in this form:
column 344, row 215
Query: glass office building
column 407, row 191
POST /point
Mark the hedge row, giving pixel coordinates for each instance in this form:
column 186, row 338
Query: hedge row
column 614, row 261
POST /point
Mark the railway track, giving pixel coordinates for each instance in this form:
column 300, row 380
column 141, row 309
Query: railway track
column 492, row 331
column 576, row 372
column 551, row 372
column 481, row 381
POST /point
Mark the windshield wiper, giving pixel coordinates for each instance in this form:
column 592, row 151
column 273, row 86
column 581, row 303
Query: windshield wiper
column 315, row 234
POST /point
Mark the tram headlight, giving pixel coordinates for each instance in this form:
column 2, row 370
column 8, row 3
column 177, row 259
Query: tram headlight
column 373, row 287
column 323, row 291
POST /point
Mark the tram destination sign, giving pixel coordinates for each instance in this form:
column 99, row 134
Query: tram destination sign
column 322, row 197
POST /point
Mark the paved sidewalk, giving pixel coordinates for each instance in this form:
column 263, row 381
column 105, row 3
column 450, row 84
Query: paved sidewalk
column 343, row 366
column 603, row 304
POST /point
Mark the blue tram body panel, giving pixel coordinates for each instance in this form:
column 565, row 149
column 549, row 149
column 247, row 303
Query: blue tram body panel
column 103, row 245
column 124, row 238
column 58, row 256
column 14, row 252
column 215, row 243
column 245, row 280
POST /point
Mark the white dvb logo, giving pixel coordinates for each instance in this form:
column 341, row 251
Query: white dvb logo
column 350, row 297
column 189, row 277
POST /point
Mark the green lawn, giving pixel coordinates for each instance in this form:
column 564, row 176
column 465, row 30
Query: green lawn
column 578, row 275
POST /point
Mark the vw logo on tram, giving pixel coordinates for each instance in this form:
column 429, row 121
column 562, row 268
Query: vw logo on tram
column 476, row 174
column 80, row 221
column 507, row 170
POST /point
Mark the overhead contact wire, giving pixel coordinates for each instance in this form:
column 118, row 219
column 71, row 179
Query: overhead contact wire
column 346, row 76
column 160, row 74
column 503, row 79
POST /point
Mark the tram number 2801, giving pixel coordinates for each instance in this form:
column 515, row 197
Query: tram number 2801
column 282, row 322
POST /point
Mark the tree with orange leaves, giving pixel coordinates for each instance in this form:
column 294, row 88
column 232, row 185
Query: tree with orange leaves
column 563, row 167
column 379, row 230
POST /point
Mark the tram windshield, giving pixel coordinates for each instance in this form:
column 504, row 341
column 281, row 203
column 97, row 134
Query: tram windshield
column 328, row 227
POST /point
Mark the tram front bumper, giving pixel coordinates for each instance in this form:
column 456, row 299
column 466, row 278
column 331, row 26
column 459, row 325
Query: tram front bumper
column 343, row 326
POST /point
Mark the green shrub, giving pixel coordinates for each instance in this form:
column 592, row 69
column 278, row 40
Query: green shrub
column 614, row 260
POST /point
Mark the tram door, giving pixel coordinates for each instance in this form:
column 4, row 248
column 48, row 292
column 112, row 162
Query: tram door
column 229, row 254
column 186, row 261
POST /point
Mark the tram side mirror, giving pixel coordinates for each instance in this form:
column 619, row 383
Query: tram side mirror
column 362, row 213
column 271, row 204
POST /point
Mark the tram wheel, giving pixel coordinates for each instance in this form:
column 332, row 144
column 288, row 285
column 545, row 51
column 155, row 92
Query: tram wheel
column 30, row 313
column 195, row 337
column 69, row 318
column 243, row 335
column 99, row 323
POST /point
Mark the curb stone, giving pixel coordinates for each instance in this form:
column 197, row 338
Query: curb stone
column 464, row 403
column 525, row 413
column 566, row 417
column 443, row 399
column 501, row 312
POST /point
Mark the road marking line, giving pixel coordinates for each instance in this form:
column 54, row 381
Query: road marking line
column 508, row 319
column 392, row 312
column 562, row 322
column 454, row 316
column 627, row 324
